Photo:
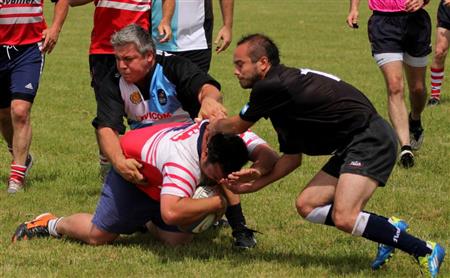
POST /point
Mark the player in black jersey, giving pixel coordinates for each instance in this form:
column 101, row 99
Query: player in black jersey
column 316, row 113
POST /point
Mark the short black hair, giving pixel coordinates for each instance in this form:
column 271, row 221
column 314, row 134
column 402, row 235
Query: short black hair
column 229, row 151
column 261, row 45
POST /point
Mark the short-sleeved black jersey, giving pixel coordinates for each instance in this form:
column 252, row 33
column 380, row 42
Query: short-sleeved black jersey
column 172, row 77
column 313, row 112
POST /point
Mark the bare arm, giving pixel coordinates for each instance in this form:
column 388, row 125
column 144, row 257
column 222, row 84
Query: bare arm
column 210, row 99
column 353, row 13
column 285, row 165
column 184, row 211
column 74, row 3
column 414, row 5
column 164, row 29
column 230, row 125
column 108, row 140
column 50, row 35
column 224, row 37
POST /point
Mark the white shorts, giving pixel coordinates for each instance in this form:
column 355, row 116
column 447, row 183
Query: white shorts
column 384, row 58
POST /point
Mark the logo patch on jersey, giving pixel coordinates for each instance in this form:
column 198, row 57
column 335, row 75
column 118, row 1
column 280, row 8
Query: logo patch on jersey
column 135, row 97
column 162, row 97
column 29, row 86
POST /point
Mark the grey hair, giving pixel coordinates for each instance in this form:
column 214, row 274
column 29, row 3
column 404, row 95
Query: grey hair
column 134, row 33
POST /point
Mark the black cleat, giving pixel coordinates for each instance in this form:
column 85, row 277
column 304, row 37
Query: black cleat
column 406, row 159
column 37, row 227
column 244, row 238
column 433, row 101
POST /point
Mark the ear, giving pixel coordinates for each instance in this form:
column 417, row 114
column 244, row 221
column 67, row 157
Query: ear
column 150, row 56
column 263, row 63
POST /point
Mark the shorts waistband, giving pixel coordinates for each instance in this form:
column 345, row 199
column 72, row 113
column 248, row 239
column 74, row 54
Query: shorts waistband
column 391, row 13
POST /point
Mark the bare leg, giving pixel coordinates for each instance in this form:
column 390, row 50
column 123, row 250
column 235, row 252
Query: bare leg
column 20, row 116
column 6, row 125
column 79, row 226
column 169, row 238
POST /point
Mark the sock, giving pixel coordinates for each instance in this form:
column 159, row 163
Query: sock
column 406, row 147
column 378, row 229
column 437, row 75
column 235, row 217
column 51, row 226
column 414, row 124
column 321, row 215
column 17, row 172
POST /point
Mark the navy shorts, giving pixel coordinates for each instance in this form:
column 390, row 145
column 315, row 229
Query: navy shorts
column 20, row 70
column 400, row 32
column 443, row 16
column 124, row 209
column 371, row 153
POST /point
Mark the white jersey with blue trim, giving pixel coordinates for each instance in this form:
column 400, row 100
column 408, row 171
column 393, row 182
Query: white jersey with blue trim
column 191, row 25
column 162, row 106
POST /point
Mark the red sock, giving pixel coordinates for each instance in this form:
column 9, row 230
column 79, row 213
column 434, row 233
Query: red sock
column 17, row 172
column 437, row 75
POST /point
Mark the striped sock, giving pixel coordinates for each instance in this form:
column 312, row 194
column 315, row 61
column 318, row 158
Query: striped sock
column 437, row 75
column 17, row 172
column 51, row 226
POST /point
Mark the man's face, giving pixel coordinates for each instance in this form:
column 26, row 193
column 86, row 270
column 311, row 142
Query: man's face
column 212, row 172
column 245, row 70
column 132, row 65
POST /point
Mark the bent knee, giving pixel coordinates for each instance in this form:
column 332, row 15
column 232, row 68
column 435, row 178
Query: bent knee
column 343, row 221
column 303, row 207
column 100, row 238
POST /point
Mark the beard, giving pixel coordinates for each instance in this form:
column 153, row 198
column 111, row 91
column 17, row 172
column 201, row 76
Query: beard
column 248, row 83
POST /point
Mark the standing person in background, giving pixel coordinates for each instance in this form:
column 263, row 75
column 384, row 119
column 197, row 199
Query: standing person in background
column 192, row 39
column 440, row 51
column 110, row 17
column 24, row 40
column 400, row 37
column 192, row 27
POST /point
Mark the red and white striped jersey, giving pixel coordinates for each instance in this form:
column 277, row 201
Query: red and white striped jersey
column 21, row 21
column 170, row 154
column 112, row 15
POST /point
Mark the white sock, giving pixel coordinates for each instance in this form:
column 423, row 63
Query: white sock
column 360, row 224
column 52, row 227
column 319, row 214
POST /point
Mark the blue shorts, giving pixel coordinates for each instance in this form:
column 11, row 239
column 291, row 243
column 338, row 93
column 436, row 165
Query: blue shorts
column 20, row 70
column 124, row 209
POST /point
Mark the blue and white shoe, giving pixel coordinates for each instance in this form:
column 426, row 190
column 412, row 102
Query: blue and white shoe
column 385, row 252
column 430, row 263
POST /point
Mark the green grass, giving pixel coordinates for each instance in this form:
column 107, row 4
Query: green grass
column 310, row 34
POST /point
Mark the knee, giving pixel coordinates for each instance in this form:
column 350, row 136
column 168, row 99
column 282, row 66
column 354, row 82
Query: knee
column 395, row 89
column 20, row 113
column 343, row 221
column 303, row 207
column 440, row 54
column 97, row 239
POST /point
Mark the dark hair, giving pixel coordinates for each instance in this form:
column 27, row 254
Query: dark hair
column 229, row 151
column 261, row 45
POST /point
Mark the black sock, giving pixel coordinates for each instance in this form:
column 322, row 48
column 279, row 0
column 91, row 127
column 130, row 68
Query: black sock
column 406, row 147
column 235, row 217
column 414, row 124
column 329, row 220
column 379, row 229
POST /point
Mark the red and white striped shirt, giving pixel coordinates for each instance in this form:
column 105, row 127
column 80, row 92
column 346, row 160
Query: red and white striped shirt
column 112, row 15
column 170, row 154
column 21, row 21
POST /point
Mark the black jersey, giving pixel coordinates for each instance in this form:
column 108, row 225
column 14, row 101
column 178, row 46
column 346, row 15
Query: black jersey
column 172, row 92
column 313, row 112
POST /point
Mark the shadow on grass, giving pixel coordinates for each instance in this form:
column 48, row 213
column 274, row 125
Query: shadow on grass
column 213, row 245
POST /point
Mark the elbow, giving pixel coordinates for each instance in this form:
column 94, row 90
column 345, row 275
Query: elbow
column 170, row 217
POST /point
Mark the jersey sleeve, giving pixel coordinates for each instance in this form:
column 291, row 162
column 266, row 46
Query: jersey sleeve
column 110, row 106
column 178, row 180
column 251, row 140
column 188, row 79
column 265, row 98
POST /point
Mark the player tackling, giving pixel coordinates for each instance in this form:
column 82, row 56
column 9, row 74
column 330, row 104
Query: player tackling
column 316, row 113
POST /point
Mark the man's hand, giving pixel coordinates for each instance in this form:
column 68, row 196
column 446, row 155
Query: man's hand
column 211, row 108
column 129, row 170
column 352, row 19
column 165, row 32
column 447, row 2
column 50, row 37
column 413, row 5
column 223, row 39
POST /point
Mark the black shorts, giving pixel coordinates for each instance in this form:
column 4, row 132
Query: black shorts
column 202, row 57
column 400, row 32
column 101, row 65
column 443, row 16
column 371, row 153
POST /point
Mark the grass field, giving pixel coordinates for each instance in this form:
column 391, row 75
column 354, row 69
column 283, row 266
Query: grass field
column 310, row 34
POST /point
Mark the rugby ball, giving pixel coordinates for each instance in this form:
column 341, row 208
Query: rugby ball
column 206, row 222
